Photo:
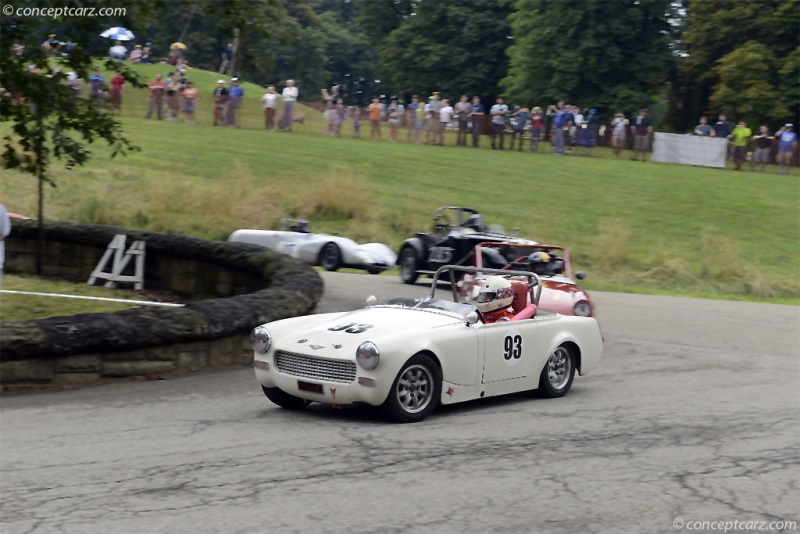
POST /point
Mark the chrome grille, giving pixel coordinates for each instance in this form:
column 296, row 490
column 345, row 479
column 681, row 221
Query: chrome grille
column 318, row 368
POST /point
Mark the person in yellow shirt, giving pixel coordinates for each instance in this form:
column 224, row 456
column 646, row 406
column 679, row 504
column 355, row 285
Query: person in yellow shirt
column 741, row 134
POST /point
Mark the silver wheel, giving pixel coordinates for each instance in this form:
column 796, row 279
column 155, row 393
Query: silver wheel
column 559, row 368
column 415, row 389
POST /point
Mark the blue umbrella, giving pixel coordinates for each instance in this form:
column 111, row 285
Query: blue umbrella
column 118, row 34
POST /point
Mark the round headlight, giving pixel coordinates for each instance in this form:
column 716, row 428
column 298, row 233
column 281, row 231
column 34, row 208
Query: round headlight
column 583, row 308
column 368, row 355
column 260, row 339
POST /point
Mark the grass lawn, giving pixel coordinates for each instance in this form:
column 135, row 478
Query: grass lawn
column 632, row 226
column 28, row 307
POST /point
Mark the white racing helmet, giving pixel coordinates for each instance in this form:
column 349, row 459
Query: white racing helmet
column 495, row 294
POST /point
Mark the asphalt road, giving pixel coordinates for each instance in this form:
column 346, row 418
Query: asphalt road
column 693, row 416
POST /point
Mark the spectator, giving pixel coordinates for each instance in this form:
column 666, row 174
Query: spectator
column 75, row 85
column 116, row 92
column 498, row 113
column 585, row 139
column 5, row 229
column 445, row 115
column 146, row 53
column 51, row 45
column 421, row 115
column 220, row 101
column 703, row 129
column 619, row 131
column 410, row 116
column 394, row 112
column 117, row 51
column 227, row 58
column 157, row 88
column 519, row 127
column 174, row 87
column 537, row 128
column 341, row 116
column 560, row 123
column 577, row 124
column 270, row 100
column 740, row 135
column 642, row 129
column 462, row 114
column 356, row 113
column 96, row 82
column 136, row 54
column 434, row 106
column 375, row 117
column 289, row 95
column 330, row 114
column 723, row 127
column 593, row 120
column 763, row 141
column 235, row 94
column 189, row 102
column 476, row 114
column 787, row 145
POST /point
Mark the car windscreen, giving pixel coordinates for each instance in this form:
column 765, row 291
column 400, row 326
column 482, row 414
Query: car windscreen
column 453, row 308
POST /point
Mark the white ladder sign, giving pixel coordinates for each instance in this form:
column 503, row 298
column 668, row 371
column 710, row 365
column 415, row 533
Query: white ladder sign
column 121, row 258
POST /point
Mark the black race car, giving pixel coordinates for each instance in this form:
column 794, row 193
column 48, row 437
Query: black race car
column 456, row 231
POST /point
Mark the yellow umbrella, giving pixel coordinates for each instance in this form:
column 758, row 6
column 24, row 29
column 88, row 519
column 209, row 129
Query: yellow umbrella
column 173, row 46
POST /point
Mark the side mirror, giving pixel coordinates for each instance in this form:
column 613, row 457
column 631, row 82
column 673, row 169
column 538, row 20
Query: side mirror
column 580, row 275
column 371, row 300
column 472, row 317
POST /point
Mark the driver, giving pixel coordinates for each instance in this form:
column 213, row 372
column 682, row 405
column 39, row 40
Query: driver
column 474, row 222
column 494, row 299
column 541, row 263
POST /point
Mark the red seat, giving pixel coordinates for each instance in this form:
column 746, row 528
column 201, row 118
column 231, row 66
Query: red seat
column 520, row 296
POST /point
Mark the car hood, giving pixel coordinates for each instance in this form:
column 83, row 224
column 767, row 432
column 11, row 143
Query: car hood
column 339, row 334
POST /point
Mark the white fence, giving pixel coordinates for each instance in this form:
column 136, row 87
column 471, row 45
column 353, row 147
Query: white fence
column 690, row 150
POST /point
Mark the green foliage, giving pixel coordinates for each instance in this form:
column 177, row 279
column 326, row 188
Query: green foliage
column 611, row 55
column 379, row 18
column 745, row 89
column 456, row 47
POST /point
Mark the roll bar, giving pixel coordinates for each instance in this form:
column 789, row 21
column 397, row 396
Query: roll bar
column 533, row 279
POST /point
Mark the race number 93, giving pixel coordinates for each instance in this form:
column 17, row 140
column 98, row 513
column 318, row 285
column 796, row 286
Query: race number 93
column 512, row 347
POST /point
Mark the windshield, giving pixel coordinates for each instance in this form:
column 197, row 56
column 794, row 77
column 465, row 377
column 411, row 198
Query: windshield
column 456, row 309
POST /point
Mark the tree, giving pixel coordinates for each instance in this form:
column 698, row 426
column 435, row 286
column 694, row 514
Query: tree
column 745, row 89
column 455, row 47
column 713, row 33
column 611, row 55
column 48, row 121
column 379, row 18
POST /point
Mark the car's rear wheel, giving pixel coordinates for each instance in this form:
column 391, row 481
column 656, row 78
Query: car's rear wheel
column 558, row 373
column 283, row 399
column 330, row 257
column 408, row 265
column 374, row 271
column 416, row 391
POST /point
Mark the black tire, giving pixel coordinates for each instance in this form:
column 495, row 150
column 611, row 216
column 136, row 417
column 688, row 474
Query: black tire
column 418, row 395
column 330, row 257
column 558, row 373
column 408, row 265
column 284, row 400
column 374, row 271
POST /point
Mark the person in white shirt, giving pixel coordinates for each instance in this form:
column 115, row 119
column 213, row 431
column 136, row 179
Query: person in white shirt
column 5, row 229
column 270, row 100
column 498, row 113
column 117, row 51
column 445, row 114
column 289, row 95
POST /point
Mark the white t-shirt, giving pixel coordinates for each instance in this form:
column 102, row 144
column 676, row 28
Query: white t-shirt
column 578, row 120
column 269, row 100
column 445, row 113
column 289, row 94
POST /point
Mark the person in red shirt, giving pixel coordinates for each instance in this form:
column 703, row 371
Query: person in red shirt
column 116, row 92
column 537, row 127
column 157, row 88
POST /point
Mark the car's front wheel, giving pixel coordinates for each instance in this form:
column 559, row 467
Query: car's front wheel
column 416, row 390
column 558, row 373
column 408, row 265
column 330, row 257
column 283, row 399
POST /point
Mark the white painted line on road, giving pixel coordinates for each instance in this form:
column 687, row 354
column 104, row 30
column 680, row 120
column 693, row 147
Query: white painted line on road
column 124, row 301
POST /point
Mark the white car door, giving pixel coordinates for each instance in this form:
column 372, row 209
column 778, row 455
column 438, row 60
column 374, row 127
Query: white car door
column 508, row 350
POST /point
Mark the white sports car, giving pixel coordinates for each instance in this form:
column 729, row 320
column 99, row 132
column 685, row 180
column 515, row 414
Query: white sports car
column 329, row 251
column 409, row 355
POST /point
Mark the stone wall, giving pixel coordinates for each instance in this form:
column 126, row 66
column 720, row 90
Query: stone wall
column 243, row 286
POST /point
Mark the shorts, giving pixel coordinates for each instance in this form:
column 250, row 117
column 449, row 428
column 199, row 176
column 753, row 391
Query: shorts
column 331, row 115
column 784, row 158
column 740, row 152
column 189, row 105
column 761, row 155
column 394, row 122
column 642, row 142
column 420, row 125
column 536, row 133
column 618, row 141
